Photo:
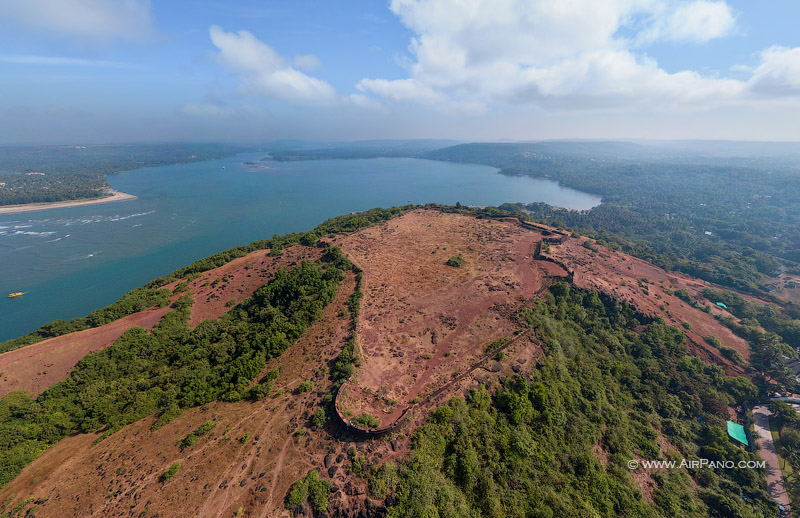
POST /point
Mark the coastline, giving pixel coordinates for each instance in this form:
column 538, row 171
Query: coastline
column 30, row 207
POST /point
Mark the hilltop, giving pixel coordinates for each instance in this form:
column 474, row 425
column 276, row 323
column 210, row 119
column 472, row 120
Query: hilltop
column 385, row 363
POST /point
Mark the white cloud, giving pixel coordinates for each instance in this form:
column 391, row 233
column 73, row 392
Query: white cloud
column 208, row 110
column 101, row 21
column 778, row 74
column 365, row 102
column 401, row 90
column 566, row 54
column 306, row 62
column 696, row 22
column 24, row 59
column 264, row 72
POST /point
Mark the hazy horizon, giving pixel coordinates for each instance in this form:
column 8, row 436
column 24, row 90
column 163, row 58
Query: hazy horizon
column 111, row 71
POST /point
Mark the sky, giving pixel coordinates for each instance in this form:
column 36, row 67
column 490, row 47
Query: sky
column 97, row 71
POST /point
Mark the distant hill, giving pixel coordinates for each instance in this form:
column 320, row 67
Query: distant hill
column 358, row 149
column 481, row 152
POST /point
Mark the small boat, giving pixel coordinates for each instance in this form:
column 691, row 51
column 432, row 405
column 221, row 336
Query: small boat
column 17, row 294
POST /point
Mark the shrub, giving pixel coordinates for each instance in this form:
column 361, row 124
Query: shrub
column 312, row 490
column 455, row 261
column 366, row 420
column 195, row 435
column 497, row 344
column 731, row 354
column 319, row 418
column 383, row 480
column 306, row 386
column 170, row 472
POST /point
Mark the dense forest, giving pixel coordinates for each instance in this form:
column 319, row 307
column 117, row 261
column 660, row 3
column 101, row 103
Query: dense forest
column 726, row 219
column 78, row 172
column 557, row 443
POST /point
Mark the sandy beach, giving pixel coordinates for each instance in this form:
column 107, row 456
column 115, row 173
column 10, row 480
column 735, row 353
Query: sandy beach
column 30, row 207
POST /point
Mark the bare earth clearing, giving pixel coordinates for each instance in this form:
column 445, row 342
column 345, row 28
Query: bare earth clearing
column 422, row 320
column 35, row 367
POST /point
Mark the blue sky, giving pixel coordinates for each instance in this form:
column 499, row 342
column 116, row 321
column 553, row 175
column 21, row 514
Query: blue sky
column 136, row 70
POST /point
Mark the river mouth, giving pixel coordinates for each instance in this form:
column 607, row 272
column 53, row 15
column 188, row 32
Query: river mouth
column 74, row 260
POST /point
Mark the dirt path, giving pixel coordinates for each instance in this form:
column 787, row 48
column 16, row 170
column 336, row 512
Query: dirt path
column 774, row 477
column 276, row 473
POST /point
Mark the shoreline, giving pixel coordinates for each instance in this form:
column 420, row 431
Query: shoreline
column 31, row 207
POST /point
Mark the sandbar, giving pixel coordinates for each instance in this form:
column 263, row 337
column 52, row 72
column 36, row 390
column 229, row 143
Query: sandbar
column 30, row 207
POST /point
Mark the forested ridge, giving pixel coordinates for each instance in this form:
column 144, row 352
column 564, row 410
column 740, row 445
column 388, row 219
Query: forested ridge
column 607, row 384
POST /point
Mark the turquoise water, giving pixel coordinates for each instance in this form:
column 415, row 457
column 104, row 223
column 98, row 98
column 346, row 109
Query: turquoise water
column 69, row 262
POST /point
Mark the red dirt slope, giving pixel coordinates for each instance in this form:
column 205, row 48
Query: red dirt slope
column 36, row 367
column 648, row 288
column 421, row 324
column 250, row 459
